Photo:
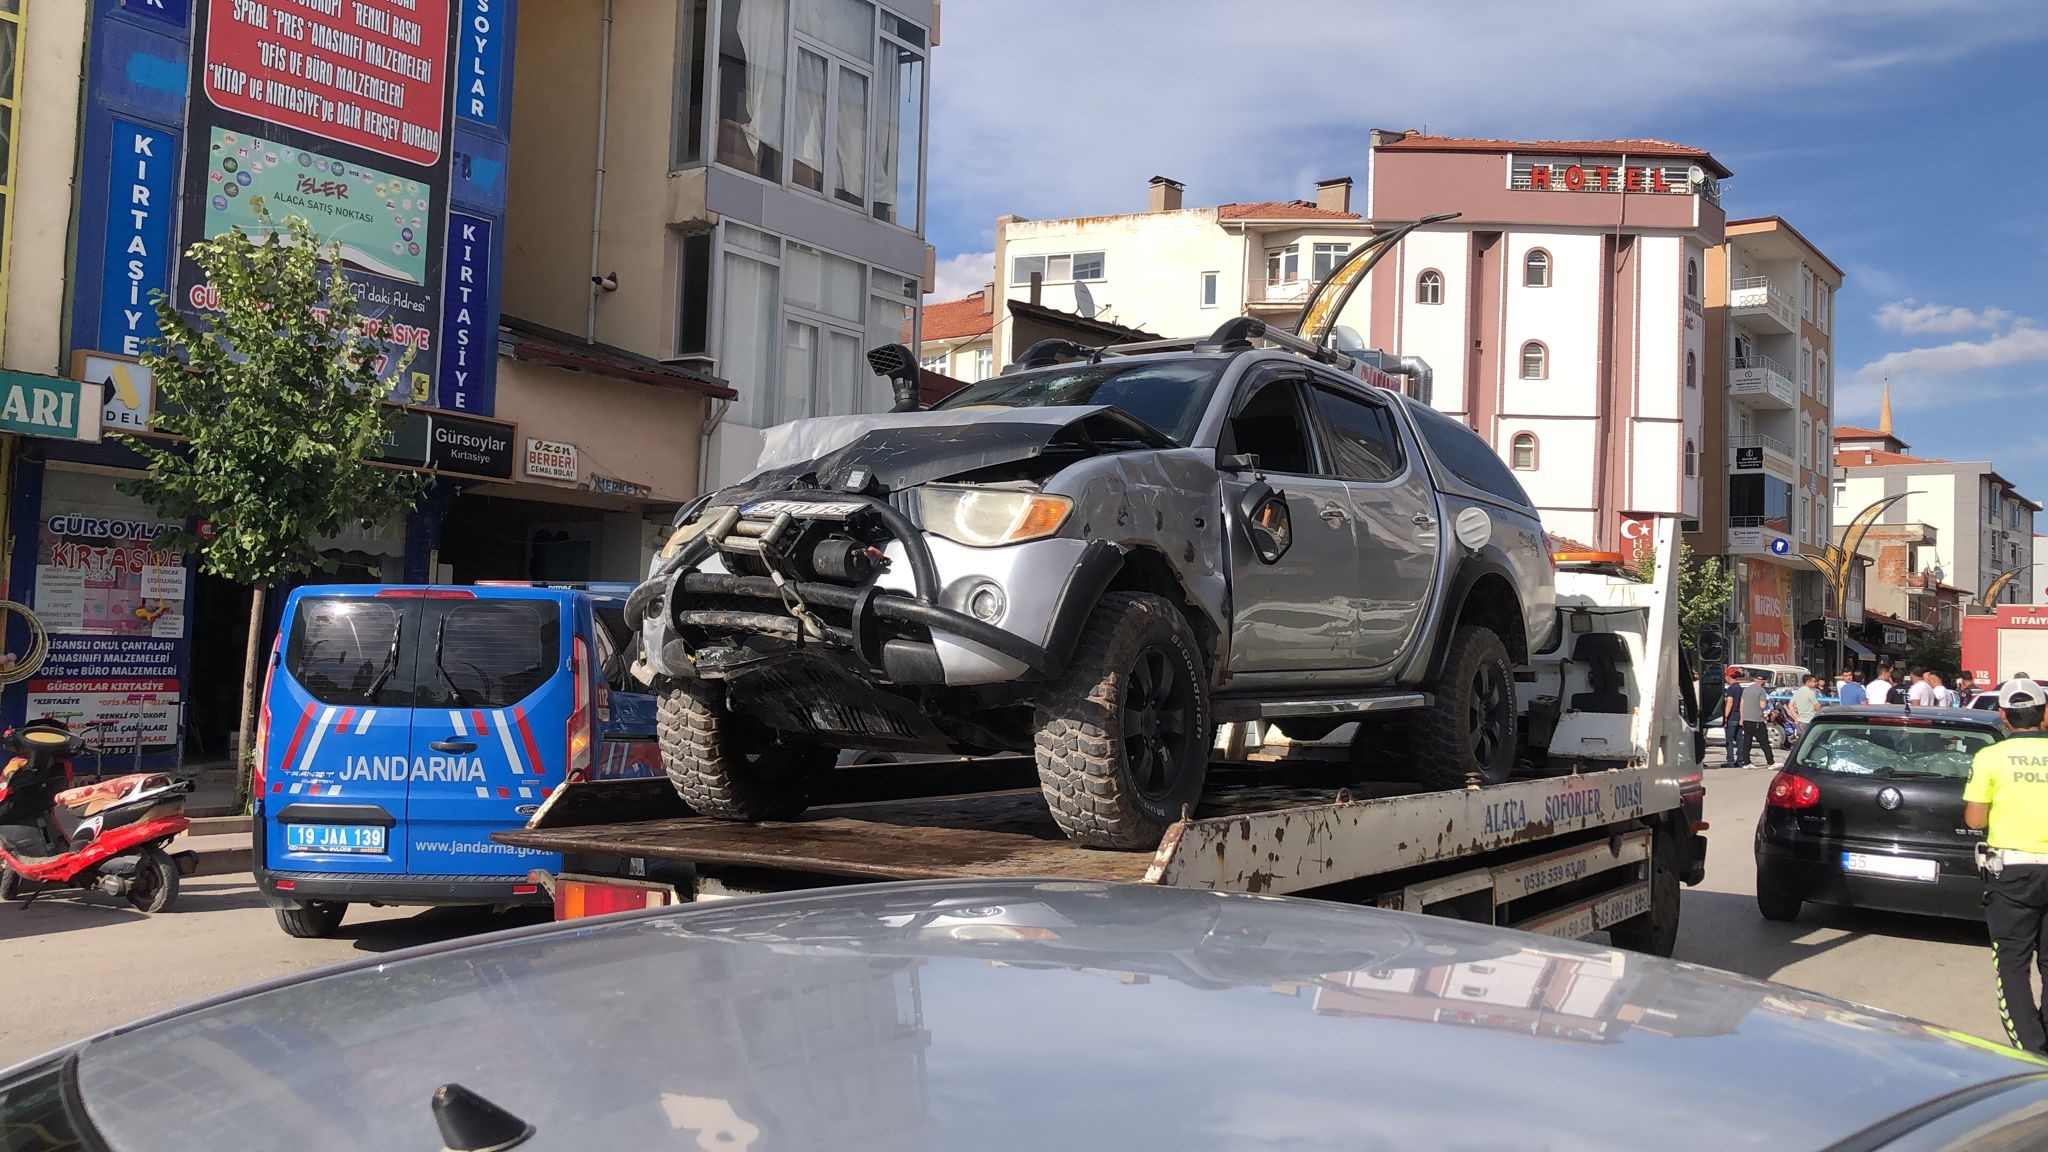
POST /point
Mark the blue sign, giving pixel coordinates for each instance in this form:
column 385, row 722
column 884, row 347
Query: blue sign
column 140, row 203
column 469, row 328
column 1780, row 546
column 168, row 11
column 479, row 59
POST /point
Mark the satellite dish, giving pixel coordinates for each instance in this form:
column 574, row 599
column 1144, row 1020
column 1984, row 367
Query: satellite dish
column 1696, row 175
column 1084, row 300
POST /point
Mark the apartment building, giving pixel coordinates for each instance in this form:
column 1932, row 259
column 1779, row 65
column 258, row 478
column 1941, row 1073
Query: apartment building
column 1563, row 310
column 1983, row 526
column 1172, row 269
column 1765, row 443
column 734, row 187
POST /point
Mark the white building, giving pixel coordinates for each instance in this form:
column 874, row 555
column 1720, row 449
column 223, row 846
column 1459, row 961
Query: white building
column 1983, row 526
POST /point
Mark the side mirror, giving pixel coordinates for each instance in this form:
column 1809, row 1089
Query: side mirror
column 1268, row 528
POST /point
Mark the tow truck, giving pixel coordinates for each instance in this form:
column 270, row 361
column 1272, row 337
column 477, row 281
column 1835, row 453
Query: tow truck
column 1597, row 831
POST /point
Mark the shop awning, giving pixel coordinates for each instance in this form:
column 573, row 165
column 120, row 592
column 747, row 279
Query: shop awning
column 1858, row 649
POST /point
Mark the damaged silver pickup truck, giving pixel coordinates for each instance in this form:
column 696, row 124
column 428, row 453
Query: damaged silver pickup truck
column 1098, row 557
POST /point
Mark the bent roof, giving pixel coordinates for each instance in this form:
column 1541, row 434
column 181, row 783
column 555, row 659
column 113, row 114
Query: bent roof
column 543, row 345
column 1418, row 142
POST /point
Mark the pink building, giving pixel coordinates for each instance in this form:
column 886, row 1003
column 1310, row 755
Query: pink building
column 1562, row 311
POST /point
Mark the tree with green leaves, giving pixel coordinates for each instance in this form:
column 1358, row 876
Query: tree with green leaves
column 1704, row 588
column 1937, row 650
column 277, row 404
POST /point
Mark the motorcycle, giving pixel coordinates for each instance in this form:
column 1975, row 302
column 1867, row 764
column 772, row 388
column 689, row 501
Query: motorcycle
column 107, row 836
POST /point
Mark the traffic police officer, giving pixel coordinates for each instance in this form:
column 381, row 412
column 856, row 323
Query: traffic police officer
column 2007, row 796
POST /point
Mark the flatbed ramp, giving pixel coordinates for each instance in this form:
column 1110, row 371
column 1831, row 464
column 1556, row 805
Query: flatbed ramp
column 1245, row 838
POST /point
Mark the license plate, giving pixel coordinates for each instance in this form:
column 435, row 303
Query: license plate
column 1891, row 867
column 333, row 838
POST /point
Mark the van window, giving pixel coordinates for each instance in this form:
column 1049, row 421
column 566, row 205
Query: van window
column 345, row 651
column 617, row 647
column 488, row 653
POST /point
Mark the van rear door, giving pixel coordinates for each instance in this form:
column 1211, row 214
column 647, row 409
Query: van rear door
column 490, row 723
column 340, row 730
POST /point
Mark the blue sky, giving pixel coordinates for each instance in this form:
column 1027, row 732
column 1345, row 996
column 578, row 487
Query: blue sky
column 1904, row 137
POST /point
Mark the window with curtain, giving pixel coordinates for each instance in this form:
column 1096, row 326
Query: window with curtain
column 1535, row 361
column 807, row 96
column 1692, row 370
column 1536, row 269
column 748, row 335
column 821, row 282
column 1692, row 460
column 753, row 44
column 845, row 25
column 899, row 123
column 1692, row 278
column 850, row 137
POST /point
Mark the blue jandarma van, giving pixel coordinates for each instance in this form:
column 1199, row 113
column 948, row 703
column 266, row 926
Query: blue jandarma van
column 402, row 725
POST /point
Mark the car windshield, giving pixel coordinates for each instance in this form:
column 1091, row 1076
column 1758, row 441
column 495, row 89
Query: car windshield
column 1169, row 395
column 1878, row 748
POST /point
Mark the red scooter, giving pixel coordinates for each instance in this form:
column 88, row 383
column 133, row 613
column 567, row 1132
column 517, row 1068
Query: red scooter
column 104, row 837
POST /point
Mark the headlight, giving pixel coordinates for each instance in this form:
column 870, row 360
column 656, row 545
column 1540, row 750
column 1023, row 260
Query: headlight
column 986, row 517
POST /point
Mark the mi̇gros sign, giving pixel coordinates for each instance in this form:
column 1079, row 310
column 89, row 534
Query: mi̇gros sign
column 49, row 406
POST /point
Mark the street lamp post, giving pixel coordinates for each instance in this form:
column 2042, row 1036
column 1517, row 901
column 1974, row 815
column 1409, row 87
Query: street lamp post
column 1834, row 562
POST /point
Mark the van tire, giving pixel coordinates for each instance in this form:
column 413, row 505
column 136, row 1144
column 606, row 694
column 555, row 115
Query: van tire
column 702, row 744
column 1138, row 659
column 313, row 920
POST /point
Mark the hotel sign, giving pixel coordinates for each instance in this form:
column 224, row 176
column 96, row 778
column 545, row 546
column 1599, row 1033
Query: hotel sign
column 1540, row 175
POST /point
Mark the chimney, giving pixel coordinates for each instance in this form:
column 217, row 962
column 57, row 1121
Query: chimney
column 1334, row 195
column 988, row 299
column 1165, row 195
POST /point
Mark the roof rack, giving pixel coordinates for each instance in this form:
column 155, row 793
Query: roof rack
column 1234, row 335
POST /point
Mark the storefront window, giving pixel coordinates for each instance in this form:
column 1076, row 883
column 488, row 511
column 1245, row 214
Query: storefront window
column 753, row 42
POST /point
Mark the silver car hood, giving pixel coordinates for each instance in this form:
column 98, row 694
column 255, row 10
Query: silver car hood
column 803, row 440
column 1002, row 1015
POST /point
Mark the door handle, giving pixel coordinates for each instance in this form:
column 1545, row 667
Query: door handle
column 455, row 746
column 1424, row 520
column 1333, row 514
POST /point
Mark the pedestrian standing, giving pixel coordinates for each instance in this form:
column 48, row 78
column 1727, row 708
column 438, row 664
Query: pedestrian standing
column 1880, row 689
column 2007, row 797
column 1734, row 744
column 1805, row 703
column 1849, row 691
column 1755, row 698
column 1920, row 690
column 1944, row 696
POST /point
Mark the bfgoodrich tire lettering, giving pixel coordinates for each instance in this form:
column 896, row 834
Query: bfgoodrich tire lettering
column 1471, row 727
column 725, row 767
column 1122, row 738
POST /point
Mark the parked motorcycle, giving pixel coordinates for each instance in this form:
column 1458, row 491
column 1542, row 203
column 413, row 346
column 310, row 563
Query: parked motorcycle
column 107, row 836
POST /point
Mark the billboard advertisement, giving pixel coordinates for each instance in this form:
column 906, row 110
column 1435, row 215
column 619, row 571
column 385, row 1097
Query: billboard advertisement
column 1770, row 624
column 339, row 114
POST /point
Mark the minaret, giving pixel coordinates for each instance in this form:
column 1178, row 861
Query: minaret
column 1884, row 414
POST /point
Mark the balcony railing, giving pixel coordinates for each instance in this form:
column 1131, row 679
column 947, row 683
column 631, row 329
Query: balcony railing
column 1757, row 296
column 1266, row 291
column 1759, row 440
column 1758, row 377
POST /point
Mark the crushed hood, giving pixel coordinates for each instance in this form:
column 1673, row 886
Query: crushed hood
column 905, row 449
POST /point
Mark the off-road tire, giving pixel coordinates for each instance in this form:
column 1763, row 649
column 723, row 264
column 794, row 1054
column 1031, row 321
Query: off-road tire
column 154, row 886
column 1776, row 905
column 705, row 751
column 1439, row 742
column 1081, row 741
column 1655, row 932
column 313, row 920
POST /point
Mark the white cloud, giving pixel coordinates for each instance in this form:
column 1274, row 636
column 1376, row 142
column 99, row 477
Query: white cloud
column 1241, row 107
column 962, row 274
column 1937, row 376
column 1914, row 318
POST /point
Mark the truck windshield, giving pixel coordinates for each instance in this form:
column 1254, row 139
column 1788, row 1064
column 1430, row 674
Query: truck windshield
column 1170, row 396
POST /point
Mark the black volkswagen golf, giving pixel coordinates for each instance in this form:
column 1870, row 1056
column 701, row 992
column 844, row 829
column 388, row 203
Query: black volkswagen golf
column 1868, row 813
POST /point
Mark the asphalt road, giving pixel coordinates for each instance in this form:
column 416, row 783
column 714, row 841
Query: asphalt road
column 74, row 967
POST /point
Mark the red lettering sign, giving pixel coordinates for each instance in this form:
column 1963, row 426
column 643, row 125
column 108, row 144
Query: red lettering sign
column 1539, row 176
column 1657, row 181
column 1574, row 177
column 1632, row 180
column 372, row 73
column 1603, row 171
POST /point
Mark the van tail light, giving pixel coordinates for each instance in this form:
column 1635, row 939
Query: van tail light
column 263, row 726
column 579, row 718
column 1792, row 791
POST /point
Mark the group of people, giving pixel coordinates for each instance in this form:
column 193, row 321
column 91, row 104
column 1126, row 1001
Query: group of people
column 1744, row 705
